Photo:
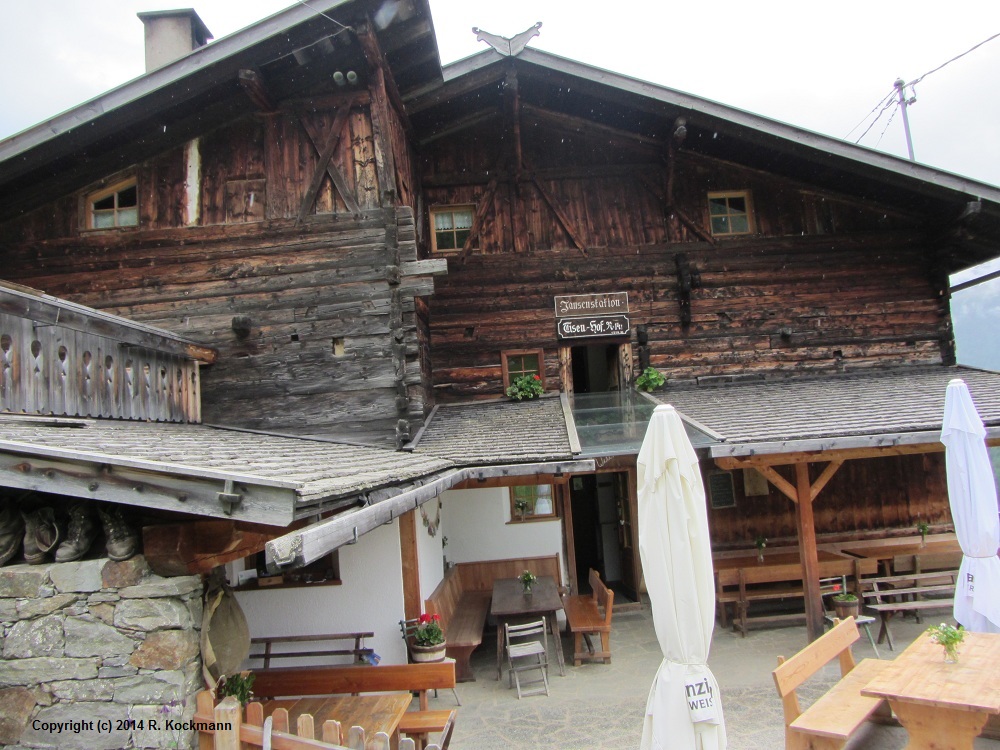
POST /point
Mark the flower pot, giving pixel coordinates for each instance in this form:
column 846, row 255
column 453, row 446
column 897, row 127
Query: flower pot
column 847, row 609
column 424, row 654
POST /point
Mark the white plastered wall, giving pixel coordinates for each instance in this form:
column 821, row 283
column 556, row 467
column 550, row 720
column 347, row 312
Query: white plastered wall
column 370, row 599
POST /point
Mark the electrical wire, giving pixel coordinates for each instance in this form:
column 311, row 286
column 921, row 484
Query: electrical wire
column 891, row 118
column 893, row 102
column 320, row 13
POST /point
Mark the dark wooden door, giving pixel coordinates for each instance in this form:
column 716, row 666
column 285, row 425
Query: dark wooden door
column 627, row 539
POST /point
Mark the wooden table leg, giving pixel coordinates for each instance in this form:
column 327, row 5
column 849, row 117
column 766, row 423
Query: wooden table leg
column 500, row 632
column 934, row 728
column 554, row 627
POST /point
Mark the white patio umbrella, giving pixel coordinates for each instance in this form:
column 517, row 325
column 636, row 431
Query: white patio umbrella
column 973, row 496
column 684, row 709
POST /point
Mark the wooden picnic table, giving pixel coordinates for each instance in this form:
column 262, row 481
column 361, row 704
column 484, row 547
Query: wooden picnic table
column 511, row 603
column 374, row 713
column 942, row 706
column 884, row 554
column 771, row 559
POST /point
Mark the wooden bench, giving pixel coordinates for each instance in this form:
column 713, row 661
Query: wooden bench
column 463, row 601
column 586, row 615
column 262, row 648
column 830, row 721
column 284, row 682
column 897, row 594
column 745, row 586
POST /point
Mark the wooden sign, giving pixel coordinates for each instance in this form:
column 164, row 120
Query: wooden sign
column 589, row 327
column 582, row 305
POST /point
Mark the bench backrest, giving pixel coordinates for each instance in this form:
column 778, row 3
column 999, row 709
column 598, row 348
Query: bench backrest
column 266, row 648
column 384, row 678
column 603, row 596
column 445, row 597
column 927, row 561
column 480, row 575
column 791, row 673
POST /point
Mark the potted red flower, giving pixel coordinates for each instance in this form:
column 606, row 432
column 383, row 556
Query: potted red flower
column 428, row 642
column 525, row 387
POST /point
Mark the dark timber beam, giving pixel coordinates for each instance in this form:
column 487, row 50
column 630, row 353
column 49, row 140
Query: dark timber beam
column 194, row 547
column 324, row 164
column 339, row 181
column 253, row 84
column 808, row 553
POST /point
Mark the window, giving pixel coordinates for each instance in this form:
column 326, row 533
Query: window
column 117, row 206
column 730, row 213
column 452, row 226
column 522, row 362
column 531, row 503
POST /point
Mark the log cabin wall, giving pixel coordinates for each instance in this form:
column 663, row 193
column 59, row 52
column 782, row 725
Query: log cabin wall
column 824, row 283
column 323, row 275
column 865, row 495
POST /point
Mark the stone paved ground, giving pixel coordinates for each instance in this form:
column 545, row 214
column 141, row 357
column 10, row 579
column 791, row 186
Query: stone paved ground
column 601, row 706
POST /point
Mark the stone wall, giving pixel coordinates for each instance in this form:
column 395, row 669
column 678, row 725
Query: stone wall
column 107, row 645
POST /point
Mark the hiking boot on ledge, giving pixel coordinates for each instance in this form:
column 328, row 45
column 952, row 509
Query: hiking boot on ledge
column 79, row 535
column 11, row 530
column 41, row 535
column 122, row 539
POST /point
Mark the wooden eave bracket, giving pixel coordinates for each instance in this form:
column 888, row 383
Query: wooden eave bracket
column 253, row 84
column 783, row 485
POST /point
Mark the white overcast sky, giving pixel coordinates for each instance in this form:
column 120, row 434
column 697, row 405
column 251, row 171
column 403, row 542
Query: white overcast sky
column 822, row 66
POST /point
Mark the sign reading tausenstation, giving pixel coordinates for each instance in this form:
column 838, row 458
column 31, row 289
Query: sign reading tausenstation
column 591, row 304
column 581, row 316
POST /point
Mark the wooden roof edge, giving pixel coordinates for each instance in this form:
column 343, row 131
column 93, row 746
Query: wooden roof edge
column 303, row 546
column 25, row 302
column 834, row 448
column 574, row 437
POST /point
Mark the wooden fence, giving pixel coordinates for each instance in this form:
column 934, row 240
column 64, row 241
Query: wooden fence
column 222, row 727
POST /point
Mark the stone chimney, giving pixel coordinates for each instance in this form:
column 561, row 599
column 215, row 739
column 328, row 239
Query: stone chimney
column 171, row 34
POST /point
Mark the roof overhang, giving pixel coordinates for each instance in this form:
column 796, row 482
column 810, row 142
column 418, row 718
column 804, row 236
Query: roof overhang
column 307, row 545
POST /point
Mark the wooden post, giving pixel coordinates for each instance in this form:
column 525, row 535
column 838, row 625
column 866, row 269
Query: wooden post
column 807, row 552
column 411, row 565
column 227, row 716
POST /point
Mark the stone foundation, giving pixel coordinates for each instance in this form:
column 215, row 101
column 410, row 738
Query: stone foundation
column 97, row 654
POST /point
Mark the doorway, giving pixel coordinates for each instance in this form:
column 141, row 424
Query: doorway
column 595, row 368
column 602, row 531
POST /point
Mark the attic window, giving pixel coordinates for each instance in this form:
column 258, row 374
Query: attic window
column 730, row 213
column 116, row 206
column 452, row 226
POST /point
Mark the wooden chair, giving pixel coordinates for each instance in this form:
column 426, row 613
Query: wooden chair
column 534, row 653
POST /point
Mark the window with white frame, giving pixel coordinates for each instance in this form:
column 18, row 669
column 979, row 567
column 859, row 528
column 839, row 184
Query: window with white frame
column 452, row 227
column 115, row 206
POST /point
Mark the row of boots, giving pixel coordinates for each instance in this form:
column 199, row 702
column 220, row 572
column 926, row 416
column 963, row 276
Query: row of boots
column 45, row 534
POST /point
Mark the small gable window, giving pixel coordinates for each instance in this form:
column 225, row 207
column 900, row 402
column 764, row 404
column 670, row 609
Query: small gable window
column 116, row 206
column 520, row 362
column 452, row 227
column 730, row 213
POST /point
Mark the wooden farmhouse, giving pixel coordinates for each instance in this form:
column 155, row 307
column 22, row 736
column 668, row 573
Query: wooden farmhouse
column 352, row 253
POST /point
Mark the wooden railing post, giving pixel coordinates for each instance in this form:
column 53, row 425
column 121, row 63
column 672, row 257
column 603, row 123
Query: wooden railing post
column 227, row 720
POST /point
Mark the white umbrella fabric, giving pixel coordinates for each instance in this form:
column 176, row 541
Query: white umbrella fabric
column 684, row 709
column 972, row 493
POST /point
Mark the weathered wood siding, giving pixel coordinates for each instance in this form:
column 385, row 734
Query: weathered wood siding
column 782, row 304
column 333, row 346
column 865, row 495
column 826, row 281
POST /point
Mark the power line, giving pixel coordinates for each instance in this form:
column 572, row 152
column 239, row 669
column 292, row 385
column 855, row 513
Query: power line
column 957, row 57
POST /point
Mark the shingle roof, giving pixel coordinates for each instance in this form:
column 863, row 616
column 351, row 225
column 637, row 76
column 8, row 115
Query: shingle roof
column 312, row 470
column 882, row 402
column 497, row 432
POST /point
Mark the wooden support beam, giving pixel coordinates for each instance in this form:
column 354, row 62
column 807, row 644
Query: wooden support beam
column 485, row 201
column 339, row 181
column 376, row 61
column 821, row 455
column 412, row 596
column 385, row 159
column 564, row 220
column 826, row 476
column 199, row 546
column 324, row 163
column 780, row 482
column 253, row 84
column 581, row 127
column 808, row 554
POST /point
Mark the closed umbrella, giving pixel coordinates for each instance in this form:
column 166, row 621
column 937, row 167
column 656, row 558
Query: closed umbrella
column 972, row 493
column 684, row 709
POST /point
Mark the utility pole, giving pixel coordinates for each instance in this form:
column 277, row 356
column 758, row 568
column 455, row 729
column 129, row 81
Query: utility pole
column 903, row 104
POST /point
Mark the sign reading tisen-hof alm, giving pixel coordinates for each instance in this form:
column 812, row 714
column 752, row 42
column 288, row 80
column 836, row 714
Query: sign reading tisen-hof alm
column 588, row 315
